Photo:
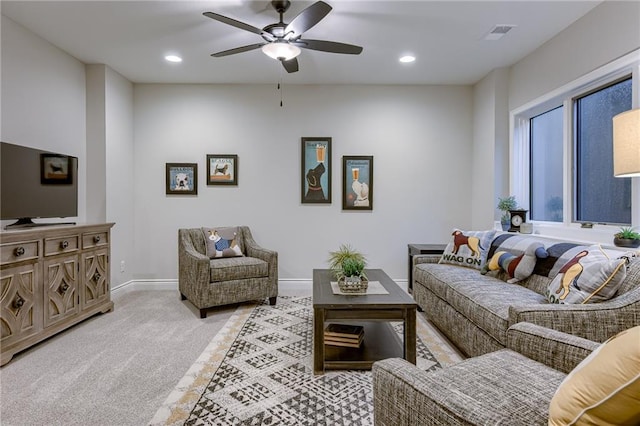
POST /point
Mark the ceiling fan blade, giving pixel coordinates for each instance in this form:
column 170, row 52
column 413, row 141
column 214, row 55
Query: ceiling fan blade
column 237, row 50
column 233, row 23
column 291, row 65
column 308, row 18
column 328, row 46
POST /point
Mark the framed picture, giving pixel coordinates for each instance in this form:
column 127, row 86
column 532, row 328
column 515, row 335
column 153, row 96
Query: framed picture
column 357, row 182
column 315, row 171
column 182, row 178
column 55, row 169
column 222, row 169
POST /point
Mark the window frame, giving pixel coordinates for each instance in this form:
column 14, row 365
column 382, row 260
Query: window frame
column 565, row 96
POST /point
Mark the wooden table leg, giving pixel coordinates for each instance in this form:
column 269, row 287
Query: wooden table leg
column 410, row 335
column 318, row 341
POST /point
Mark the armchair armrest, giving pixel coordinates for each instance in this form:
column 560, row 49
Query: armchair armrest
column 253, row 249
column 193, row 267
column 553, row 348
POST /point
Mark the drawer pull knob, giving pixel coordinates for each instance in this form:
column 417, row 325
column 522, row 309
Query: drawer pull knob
column 19, row 251
column 97, row 276
column 64, row 287
column 64, row 244
column 18, row 302
column 96, row 239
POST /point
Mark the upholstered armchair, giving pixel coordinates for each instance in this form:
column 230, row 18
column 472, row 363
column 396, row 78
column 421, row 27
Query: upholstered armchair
column 208, row 281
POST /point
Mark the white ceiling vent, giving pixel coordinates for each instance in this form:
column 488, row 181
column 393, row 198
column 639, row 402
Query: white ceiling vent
column 498, row 32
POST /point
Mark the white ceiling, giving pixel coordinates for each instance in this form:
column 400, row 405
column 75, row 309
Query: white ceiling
column 132, row 37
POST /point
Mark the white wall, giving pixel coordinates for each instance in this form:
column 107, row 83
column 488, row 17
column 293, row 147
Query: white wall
column 119, row 178
column 490, row 147
column 43, row 100
column 607, row 32
column 420, row 137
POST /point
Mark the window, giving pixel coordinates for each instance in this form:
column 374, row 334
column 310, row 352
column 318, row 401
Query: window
column 600, row 197
column 545, row 171
column 562, row 156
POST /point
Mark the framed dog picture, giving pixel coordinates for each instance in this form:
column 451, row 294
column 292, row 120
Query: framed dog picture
column 222, row 169
column 55, row 169
column 357, row 182
column 315, row 171
column 182, row 178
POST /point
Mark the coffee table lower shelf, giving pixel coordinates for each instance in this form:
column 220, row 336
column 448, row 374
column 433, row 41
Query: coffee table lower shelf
column 380, row 342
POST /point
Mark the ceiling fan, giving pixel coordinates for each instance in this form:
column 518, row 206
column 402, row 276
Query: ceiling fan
column 283, row 41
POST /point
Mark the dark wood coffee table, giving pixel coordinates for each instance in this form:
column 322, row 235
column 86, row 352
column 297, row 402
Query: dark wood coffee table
column 374, row 312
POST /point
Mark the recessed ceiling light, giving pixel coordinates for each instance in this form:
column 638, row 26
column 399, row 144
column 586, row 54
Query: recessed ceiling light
column 407, row 59
column 173, row 58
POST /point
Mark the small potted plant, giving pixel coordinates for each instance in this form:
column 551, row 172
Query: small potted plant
column 505, row 204
column 348, row 265
column 626, row 237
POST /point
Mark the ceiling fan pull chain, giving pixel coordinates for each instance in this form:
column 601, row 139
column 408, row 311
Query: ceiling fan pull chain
column 280, row 87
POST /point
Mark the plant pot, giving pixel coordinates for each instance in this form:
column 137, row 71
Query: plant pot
column 505, row 226
column 626, row 242
column 353, row 284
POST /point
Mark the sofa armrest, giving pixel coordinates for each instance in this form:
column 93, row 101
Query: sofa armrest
column 426, row 258
column 592, row 321
column 553, row 348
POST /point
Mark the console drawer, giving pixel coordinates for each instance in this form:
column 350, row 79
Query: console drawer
column 95, row 239
column 59, row 245
column 17, row 252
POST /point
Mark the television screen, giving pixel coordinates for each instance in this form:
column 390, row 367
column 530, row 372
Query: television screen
column 37, row 184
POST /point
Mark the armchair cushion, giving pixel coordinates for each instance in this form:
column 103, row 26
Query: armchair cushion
column 222, row 242
column 238, row 268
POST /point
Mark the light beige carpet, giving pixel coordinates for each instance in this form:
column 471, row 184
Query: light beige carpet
column 258, row 370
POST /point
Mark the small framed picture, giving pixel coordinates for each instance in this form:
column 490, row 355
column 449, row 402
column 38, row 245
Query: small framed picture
column 357, row 182
column 182, row 178
column 222, row 169
column 55, row 169
column 315, row 171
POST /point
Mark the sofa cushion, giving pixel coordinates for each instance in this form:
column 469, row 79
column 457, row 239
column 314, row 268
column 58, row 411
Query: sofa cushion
column 238, row 268
column 468, row 248
column 587, row 275
column 222, row 242
column 604, row 388
column 484, row 300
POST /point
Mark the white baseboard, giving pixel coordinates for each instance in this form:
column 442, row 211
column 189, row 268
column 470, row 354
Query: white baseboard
column 172, row 284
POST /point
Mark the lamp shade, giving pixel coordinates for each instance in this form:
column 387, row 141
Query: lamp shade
column 626, row 144
column 281, row 51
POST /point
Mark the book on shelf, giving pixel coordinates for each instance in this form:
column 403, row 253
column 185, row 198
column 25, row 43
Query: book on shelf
column 343, row 330
column 344, row 341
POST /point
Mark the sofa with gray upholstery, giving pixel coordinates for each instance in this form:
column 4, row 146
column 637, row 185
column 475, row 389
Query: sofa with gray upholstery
column 475, row 311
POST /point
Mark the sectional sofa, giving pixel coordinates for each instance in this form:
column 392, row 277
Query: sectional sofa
column 475, row 311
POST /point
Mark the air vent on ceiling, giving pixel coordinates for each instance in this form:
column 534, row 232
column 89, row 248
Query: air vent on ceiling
column 498, row 32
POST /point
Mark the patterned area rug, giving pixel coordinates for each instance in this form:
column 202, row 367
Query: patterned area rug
column 258, row 370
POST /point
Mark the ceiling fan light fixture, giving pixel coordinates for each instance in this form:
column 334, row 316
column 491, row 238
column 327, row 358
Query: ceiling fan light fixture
column 281, row 51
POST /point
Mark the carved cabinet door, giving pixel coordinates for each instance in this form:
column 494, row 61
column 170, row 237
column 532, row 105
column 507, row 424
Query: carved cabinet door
column 95, row 284
column 20, row 311
column 61, row 289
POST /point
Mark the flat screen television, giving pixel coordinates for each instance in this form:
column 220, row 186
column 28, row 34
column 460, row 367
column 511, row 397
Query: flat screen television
column 36, row 184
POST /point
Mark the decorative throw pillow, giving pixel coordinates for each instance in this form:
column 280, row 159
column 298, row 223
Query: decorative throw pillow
column 604, row 389
column 221, row 242
column 468, row 248
column 517, row 267
column 588, row 276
